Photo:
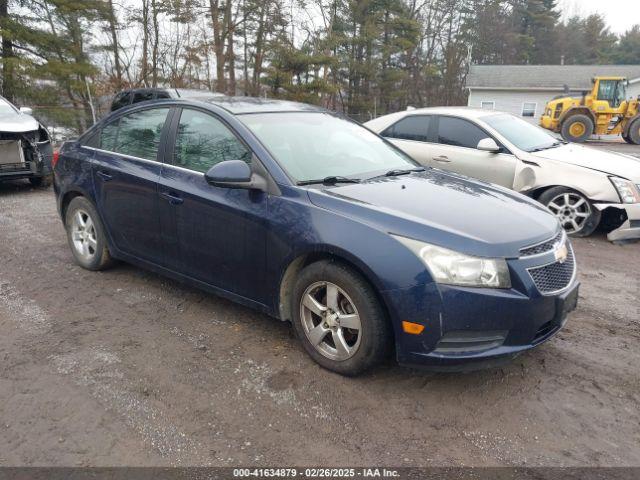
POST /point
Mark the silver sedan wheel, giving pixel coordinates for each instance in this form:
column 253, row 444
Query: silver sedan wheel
column 83, row 235
column 572, row 210
column 331, row 321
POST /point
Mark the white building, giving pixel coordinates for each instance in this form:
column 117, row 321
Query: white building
column 524, row 90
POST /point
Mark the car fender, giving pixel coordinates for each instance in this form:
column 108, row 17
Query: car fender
column 535, row 175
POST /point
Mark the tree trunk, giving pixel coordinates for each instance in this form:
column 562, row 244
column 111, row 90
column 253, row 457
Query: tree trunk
column 113, row 30
column 218, row 43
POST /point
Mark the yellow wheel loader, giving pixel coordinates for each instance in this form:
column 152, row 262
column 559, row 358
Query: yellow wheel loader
column 603, row 111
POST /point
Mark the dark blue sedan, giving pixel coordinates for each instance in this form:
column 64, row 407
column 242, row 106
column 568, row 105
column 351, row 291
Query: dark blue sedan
column 313, row 219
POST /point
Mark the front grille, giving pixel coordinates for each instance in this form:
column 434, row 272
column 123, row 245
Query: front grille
column 542, row 247
column 556, row 276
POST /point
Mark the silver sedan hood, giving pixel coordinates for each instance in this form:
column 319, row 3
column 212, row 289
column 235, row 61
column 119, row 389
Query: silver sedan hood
column 17, row 123
column 612, row 163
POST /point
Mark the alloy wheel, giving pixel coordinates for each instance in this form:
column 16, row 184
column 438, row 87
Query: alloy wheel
column 83, row 234
column 331, row 321
column 572, row 210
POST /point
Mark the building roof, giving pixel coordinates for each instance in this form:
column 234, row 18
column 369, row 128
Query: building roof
column 544, row 77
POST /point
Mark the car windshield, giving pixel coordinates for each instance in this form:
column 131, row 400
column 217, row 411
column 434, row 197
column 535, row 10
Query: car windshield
column 316, row 145
column 6, row 107
column 522, row 134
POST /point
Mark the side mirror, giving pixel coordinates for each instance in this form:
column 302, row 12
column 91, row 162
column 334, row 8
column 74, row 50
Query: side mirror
column 235, row 174
column 488, row 145
column 26, row 110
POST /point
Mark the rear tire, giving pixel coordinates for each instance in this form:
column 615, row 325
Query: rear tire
column 574, row 211
column 634, row 132
column 338, row 297
column 42, row 182
column 86, row 235
column 577, row 128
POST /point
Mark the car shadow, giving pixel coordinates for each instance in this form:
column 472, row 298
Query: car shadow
column 17, row 186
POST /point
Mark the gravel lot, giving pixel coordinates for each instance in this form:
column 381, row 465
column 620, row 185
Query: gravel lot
column 124, row 367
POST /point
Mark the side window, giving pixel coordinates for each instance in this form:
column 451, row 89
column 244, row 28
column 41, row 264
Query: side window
column 139, row 133
column 162, row 94
column 142, row 96
column 459, row 133
column 607, row 90
column 108, row 136
column 92, row 140
column 414, row 127
column 202, row 141
column 121, row 100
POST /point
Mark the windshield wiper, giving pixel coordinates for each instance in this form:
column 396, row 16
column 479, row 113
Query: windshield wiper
column 547, row 147
column 330, row 180
column 396, row 173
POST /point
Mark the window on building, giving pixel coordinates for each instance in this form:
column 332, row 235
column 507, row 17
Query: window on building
column 529, row 109
column 488, row 105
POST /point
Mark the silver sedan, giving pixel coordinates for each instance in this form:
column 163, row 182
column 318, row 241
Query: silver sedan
column 582, row 186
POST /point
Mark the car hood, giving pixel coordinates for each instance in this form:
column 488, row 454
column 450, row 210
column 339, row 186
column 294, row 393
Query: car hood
column 445, row 209
column 17, row 123
column 612, row 163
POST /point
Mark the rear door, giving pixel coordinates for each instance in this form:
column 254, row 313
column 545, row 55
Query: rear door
column 455, row 149
column 125, row 173
column 215, row 235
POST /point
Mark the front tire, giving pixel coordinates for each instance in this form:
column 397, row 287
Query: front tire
column 577, row 128
column 339, row 319
column 634, row 132
column 576, row 213
column 86, row 235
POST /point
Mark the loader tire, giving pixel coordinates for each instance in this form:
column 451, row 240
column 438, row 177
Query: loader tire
column 577, row 128
column 634, row 132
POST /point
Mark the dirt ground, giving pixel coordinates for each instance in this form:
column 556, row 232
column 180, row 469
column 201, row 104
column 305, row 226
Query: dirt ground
column 124, row 367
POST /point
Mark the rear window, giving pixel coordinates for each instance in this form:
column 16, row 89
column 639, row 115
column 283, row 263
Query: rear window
column 121, row 100
column 142, row 96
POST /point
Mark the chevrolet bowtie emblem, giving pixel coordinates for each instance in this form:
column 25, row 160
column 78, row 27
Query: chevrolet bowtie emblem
column 561, row 253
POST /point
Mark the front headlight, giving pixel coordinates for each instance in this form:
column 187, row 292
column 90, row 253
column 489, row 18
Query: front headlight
column 627, row 190
column 454, row 268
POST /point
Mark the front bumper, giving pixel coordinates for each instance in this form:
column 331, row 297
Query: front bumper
column 468, row 328
column 630, row 229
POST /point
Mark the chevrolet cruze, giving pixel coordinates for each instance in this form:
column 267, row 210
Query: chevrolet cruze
column 313, row 219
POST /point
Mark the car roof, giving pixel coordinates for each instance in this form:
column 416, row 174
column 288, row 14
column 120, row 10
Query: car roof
column 242, row 105
column 463, row 112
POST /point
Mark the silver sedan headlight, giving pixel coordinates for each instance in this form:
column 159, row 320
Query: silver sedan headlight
column 455, row 268
column 627, row 190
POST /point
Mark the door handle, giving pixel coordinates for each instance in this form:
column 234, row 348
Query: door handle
column 173, row 198
column 104, row 175
column 442, row 159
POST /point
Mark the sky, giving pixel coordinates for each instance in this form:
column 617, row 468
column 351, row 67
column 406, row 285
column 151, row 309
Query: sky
column 621, row 15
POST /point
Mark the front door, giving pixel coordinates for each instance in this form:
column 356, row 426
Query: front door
column 455, row 149
column 125, row 171
column 212, row 234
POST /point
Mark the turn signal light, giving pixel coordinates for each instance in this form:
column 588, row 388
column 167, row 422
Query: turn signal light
column 412, row 328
